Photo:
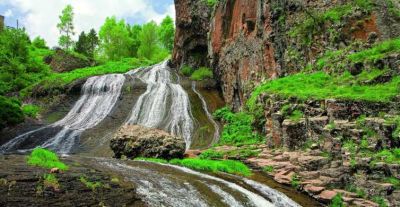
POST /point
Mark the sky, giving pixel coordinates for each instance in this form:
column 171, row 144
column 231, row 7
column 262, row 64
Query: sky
column 40, row 17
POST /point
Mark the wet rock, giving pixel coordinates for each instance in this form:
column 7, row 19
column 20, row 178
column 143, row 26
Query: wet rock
column 313, row 189
column 327, row 195
column 294, row 133
column 137, row 141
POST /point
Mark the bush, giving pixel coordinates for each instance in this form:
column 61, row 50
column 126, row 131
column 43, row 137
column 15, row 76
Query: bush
column 31, row 110
column 50, row 180
column 10, row 113
column 337, row 201
column 201, row 74
column 227, row 166
column 186, row 71
column 238, row 129
column 45, row 159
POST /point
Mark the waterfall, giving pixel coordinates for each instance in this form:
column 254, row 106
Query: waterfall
column 99, row 95
column 209, row 116
column 164, row 105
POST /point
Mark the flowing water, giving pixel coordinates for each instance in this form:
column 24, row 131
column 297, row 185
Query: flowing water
column 153, row 97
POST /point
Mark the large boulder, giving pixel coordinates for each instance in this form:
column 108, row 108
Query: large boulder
column 63, row 61
column 138, row 141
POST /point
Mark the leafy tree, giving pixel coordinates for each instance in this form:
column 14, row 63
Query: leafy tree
column 114, row 39
column 134, row 33
column 93, row 42
column 166, row 33
column 148, row 40
column 66, row 27
column 39, row 42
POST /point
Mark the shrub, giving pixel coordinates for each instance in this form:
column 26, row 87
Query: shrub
column 227, row 166
column 295, row 181
column 186, row 70
column 201, row 74
column 46, row 159
column 31, row 110
column 337, row 201
column 380, row 201
column 10, row 112
column 50, row 180
column 238, row 129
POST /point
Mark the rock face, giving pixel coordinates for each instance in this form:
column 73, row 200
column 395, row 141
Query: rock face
column 137, row 141
column 192, row 26
column 62, row 61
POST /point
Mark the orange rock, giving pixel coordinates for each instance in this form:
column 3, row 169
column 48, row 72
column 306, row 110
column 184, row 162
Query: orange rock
column 327, row 195
column 313, row 189
column 55, row 170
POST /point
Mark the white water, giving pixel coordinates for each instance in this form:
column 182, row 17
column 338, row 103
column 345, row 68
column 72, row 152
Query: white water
column 209, row 116
column 100, row 94
column 164, row 105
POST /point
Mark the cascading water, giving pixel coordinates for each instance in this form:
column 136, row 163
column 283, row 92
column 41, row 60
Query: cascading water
column 164, row 105
column 209, row 116
column 99, row 97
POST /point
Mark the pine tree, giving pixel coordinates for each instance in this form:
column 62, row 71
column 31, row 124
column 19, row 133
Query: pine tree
column 66, row 27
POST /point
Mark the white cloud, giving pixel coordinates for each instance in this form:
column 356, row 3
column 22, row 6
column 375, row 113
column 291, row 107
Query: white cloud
column 41, row 16
column 8, row 13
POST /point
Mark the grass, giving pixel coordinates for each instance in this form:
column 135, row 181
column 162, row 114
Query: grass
column 337, row 201
column 269, row 169
column 50, row 180
column 296, row 115
column 391, row 156
column 394, row 181
column 91, row 185
column 201, row 74
column 45, row 159
column 62, row 79
column 227, row 166
column 30, row 110
column 378, row 51
column 186, row 70
column 211, row 154
column 238, row 129
column 320, row 86
column 380, row 201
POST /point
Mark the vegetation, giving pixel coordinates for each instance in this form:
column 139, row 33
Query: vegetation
column 151, row 160
column 269, row 169
column 211, row 3
column 295, row 181
column 227, row 166
column 45, row 159
column 321, row 86
column 30, row 110
column 11, row 112
column 211, row 155
column 66, row 27
column 337, row 201
column 187, row 71
column 380, row 201
column 50, row 180
column 87, row 44
column 238, row 128
column 378, row 51
column 91, row 185
column 391, row 156
column 296, row 115
column 201, row 74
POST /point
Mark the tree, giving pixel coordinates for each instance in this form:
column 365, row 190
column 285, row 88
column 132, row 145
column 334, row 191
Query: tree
column 93, row 42
column 114, row 39
column 134, row 33
column 148, row 40
column 39, row 42
column 82, row 45
column 166, row 33
column 66, row 27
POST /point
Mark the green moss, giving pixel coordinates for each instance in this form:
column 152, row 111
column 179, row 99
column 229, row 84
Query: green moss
column 320, row 86
column 46, row 159
column 227, row 166
column 201, row 74
column 296, row 115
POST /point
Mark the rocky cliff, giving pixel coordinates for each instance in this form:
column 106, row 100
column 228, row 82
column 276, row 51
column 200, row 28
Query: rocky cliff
column 319, row 76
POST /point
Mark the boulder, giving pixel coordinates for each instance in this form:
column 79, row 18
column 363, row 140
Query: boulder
column 63, row 61
column 138, row 141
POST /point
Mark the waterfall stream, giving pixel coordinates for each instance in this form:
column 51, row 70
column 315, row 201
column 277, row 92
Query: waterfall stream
column 164, row 104
column 100, row 94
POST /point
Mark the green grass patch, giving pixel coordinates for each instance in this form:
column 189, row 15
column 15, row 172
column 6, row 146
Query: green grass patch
column 186, row 70
column 89, row 184
column 320, row 86
column 211, row 154
column 227, row 166
column 50, row 180
column 391, row 156
column 238, row 129
column 30, row 110
column 201, row 74
column 268, row 169
column 296, row 115
column 46, row 159
column 378, row 51
column 337, row 201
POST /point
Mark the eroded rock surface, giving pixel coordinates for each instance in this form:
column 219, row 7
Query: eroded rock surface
column 138, row 141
